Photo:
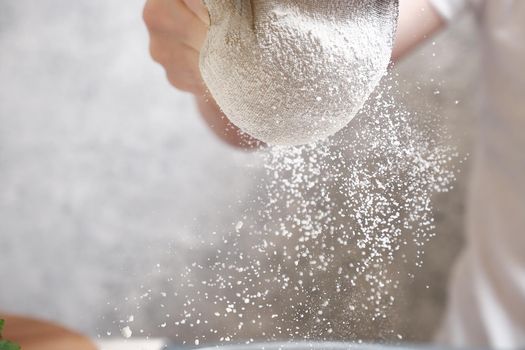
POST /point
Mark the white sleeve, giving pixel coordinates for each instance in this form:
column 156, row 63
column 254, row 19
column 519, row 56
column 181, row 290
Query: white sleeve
column 449, row 8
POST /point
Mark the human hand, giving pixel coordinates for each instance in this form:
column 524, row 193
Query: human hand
column 178, row 30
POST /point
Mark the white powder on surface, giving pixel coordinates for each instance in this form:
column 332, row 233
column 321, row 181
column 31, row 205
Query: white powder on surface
column 291, row 72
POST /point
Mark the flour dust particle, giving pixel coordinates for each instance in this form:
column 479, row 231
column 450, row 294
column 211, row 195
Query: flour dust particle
column 126, row 332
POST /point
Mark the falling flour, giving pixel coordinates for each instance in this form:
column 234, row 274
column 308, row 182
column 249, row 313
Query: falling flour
column 320, row 250
column 291, row 72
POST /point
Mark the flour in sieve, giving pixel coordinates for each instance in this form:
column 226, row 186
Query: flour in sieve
column 291, row 72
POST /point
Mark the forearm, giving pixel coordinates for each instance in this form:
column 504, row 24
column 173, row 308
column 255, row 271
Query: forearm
column 221, row 126
column 418, row 20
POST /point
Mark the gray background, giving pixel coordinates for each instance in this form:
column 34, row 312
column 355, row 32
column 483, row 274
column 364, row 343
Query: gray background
column 105, row 170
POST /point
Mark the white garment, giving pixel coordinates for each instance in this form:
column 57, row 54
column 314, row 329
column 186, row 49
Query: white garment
column 487, row 291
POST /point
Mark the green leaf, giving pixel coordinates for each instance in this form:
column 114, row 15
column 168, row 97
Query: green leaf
column 6, row 344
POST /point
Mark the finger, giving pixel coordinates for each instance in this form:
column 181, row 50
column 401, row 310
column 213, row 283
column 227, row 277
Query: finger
column 180, row 62
column 159, row 15
column 193, row 30
column 185, row 81
column 167, row 51
column 173, row 20
column 199, row 9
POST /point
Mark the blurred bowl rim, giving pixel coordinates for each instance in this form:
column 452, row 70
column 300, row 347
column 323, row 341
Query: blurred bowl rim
column 309, row 345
